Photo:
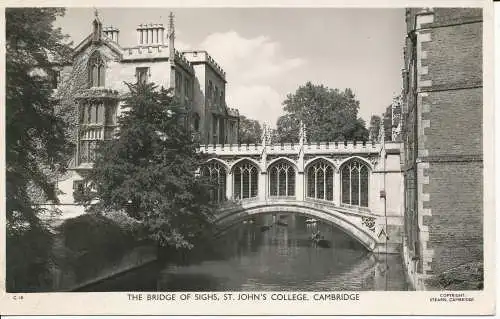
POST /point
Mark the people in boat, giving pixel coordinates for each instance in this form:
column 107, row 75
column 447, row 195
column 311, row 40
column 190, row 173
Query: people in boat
column 316, row 236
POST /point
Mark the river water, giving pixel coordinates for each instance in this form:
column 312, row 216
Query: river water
column 282, row 257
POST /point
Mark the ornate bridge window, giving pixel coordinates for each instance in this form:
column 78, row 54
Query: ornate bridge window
column 217, row 174
column 355, row 177
column 282, row 179
column 96, row 70
column 246, row 178
column 320, row 176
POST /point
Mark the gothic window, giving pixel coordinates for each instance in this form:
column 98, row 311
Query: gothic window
column 178, row 81
column 100, row 113
column 355, row 178
column 245, row 180
column 187, row 91
column 217, row 175
column 210, row 90
column 216, row 94
column 54, row 77
column 110, row 114
column 84, row 152
column 93, row 113
column 142, row 75
column 320, row 177
column 92, row 150
column 196, row 122
column 83, row 111
column 282, row 179
column 97, row 70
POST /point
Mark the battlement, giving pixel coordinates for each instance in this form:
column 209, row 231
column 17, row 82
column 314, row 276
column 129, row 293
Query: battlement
column 158, row 51
column 203, row 57
column 233, row 112
column 181, row 60
column 292, row 148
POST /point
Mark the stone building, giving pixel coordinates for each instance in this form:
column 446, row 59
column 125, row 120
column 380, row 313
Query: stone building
column 442, row 142
column 94, row 84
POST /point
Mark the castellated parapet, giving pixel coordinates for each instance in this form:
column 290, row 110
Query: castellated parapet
column 196, row 57
column 183, row 62
column 233, row 112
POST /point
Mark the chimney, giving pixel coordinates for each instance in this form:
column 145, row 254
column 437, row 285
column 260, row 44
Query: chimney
column 150, row 34
column 111, row 33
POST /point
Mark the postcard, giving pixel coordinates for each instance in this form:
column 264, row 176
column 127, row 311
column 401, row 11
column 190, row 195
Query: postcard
column 248, row 159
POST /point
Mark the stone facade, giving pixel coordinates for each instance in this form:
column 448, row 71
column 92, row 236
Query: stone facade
column 93, row 86
column 442, row 135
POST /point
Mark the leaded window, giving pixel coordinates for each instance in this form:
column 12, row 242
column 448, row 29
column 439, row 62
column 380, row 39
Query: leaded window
column 320, row 177
column 97, row 69
column 217, row 175
column 355, row 178
column 281, row 179
column 246, row 178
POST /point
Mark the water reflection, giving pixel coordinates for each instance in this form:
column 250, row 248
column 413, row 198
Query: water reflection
column 272, row 252
column 283, row 257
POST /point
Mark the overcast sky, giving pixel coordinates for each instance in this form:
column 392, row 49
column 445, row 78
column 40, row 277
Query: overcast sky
column 269, row 52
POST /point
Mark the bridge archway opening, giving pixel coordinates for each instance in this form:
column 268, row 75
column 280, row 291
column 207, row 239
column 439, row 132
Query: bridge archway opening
column 361, row 236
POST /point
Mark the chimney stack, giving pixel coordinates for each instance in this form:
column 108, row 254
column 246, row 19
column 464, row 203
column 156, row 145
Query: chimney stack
column 111, row 33
column 150, row 34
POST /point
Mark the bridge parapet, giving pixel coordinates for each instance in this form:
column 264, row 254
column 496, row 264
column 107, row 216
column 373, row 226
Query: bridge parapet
column 291, row 148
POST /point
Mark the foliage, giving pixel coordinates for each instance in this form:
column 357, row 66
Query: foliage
column 35, row 142
column 374, row 129
column 287, row 129
column 387, row 122
column 149, row 170
column 328, row 114
column 250, row 131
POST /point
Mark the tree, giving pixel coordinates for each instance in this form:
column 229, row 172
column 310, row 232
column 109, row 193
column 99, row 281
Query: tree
column 287, row 129
column 374, row 130
column 328, row 114
column 250, row 131
column 148, row 170
column 35, row 139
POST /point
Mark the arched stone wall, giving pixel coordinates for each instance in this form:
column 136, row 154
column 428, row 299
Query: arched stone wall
column 351, row 224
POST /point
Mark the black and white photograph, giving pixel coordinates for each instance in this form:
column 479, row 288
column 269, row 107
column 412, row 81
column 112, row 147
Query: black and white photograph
column 246, row 154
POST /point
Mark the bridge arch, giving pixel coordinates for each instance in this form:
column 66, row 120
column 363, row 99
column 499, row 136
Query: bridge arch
column 345, row 222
